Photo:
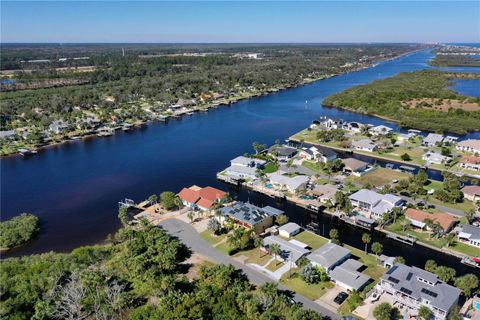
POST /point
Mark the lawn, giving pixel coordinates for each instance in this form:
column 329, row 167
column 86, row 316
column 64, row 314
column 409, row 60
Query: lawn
column 465, row 249
column 380, row 177
column 464, row 206
column 275, row 265
column 421, row 236
column 255, row 256
column 270, row 167
column 312, row 240
column 314, row 166
column 224, row 248
column 310, row 291
column 212, row 239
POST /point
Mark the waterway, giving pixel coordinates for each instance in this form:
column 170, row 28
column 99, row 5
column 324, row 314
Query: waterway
column 74, row 188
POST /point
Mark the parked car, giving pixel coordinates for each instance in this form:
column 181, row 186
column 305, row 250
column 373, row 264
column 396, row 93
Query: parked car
column 340, row 297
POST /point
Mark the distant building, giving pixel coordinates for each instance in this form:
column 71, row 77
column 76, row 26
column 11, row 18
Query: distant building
column 250, row 216
column 355, row 167
column 324, row 193
column 374, row 205
column 282, row 153
column 471, row 145
column 364, row 145
column 380, row 130
column 413, row 287
column 470, row 234
column 471, row 193
column 436, row 158
column 432, row 139
column 469, row 162
column 244, row 168
column 57, row 126
column 7, row 134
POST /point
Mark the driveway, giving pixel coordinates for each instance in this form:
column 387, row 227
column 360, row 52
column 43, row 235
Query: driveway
column 189, row 236
column 326, row 299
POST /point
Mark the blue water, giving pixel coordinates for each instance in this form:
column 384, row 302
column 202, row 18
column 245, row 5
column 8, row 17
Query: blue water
column 467, row 87
column 74, row 188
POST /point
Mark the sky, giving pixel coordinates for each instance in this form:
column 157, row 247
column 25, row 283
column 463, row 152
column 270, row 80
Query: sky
column 240, row 22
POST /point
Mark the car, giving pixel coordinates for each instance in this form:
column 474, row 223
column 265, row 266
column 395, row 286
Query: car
column 340, row 297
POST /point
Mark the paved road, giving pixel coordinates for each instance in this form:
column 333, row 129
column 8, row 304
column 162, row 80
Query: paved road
column 188, row 235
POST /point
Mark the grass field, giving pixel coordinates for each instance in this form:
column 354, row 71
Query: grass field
column 270, row 167
column 312, row 240
column 380, row 177
column 466, row 249
column 310, row 291
column 212, row 239
column 275, row 265
column 255, row 256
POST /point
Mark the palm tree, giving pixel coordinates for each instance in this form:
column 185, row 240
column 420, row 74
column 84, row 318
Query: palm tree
column 405, row 225
column 449, row 239
column 190, row 216
column 274, row 250
column 366, row 238
column 377, row 248
column 218, row 215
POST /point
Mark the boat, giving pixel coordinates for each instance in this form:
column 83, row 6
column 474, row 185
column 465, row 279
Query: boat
column 162, row 118
column 389, row 166
column 472, row 262
column 189, row 113
column 127, row 127
column 27, row 152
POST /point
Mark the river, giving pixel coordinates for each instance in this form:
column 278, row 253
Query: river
column 74, row 188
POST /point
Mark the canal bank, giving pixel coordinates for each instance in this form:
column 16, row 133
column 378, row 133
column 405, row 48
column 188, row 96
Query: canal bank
column 74, row 188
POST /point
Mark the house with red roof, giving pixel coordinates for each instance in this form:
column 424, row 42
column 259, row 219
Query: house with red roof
column 202, row 198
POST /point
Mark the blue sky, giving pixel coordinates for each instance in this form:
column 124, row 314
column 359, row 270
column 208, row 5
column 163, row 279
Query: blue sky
column 271, row 21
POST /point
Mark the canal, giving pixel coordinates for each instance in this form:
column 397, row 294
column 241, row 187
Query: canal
column 74, row 188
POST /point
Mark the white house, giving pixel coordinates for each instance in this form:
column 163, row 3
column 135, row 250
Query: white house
column 374, row 205
column 432, row 139
column 470, row 234
column 329, row 256
column 289, row 230
column 436, row 158
column 364, row 145
column 380, row 130
column 292, row 184
column 471, row 145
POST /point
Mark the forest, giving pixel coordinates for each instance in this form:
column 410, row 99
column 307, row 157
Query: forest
column 414, row 100
column 455, row 61
column 139, row 274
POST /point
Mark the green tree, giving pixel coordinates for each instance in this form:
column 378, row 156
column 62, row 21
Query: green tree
column 334, row 236
column 18, row 230
column 274, row 249
column 431, row 266
column 399, row 259
column 405, row 157
column 470, row 215
column 190, row 216
column 366, row 239
column 281, row 219
column 425, row 313
column 123, row 216
column 445, row 273
column 169, row 200
column 377, row 248
column 214, row 226
column 310, row 274
column 467, row 283
column 153, row 198
column 383, row 311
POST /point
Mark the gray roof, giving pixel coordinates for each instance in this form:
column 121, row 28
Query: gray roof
column 473, row 231
column 372, row 197
column 245, row 161
column 406, row 280
column 242, row 170
column 350, row 277
column 249, row 213
column 289, row 227
column 272, row 211
column 289, row 249
column 433, row 138
column 364, row 143
column 291, row 182
column 328, row 255
column 354, row 164
column 352, row 264
column 286, row 151
column 7, row 133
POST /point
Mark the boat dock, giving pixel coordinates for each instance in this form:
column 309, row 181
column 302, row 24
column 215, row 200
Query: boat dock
column 404, row 239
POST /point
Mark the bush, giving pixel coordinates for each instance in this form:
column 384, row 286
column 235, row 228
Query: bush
column 18, row 230
column 310, row 274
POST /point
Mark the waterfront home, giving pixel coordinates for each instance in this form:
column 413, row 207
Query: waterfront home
column 289, row 250
column 324, row 193
column 7, row 134
column 450, row 139
column 403, row 137
column 202, row 198
column 308, row 153
column 374, row 205
column 420, row 219
column 470, row 235
column 435, row 158
column 471, row 193
column 414, row 132
column 469, row 162
column 289, row 230
column 248, row 162
column 413, row 287
column 347, row 275
column 355, row 167
column 353, row 126
column 250, row 216
column 380, row 130
column 57, row 126
column 330, row 124
column 283, row 153
column 432, row 139
column 329, row 256
column 364, row 145
column 325, row 154
column 291, row 184
column 471, row 145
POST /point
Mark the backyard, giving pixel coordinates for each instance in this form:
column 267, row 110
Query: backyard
column 310, row 291
column 379, row 177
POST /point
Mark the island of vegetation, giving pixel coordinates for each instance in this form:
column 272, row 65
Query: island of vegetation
column 420, row 100
column 455, row 61
column 141, row 274
column 18, row 230
column 51, row 94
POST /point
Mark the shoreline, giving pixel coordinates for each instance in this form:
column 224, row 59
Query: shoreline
column 206, row 108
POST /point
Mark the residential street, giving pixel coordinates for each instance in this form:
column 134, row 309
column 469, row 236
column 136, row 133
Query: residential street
column 188, row 235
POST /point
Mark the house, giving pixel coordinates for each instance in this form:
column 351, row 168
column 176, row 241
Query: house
column 419, row 218
column 57, row 126
column 250, row 216
column 324, row 193
column 330, row 124
column 284, row 182
column 355, row 167
column 325, row 154
column 432, row 139
column 364, row 145
column 289, row 250
column 414, row 132
column 471, row 193
column 308, row 154
column 7, row 134
column 289, row 230
column 403, row 137
column 471, row 145
column 329, row 256
column 450, row 139
column 413, row 287
column 374, row 205
column 354, row 126
column 470, row 234
column 380, row 130
column 469, row 162
column 347, row 275
column 248, row 162
column 202, row 198
column 436, row 158
column 283, row 153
